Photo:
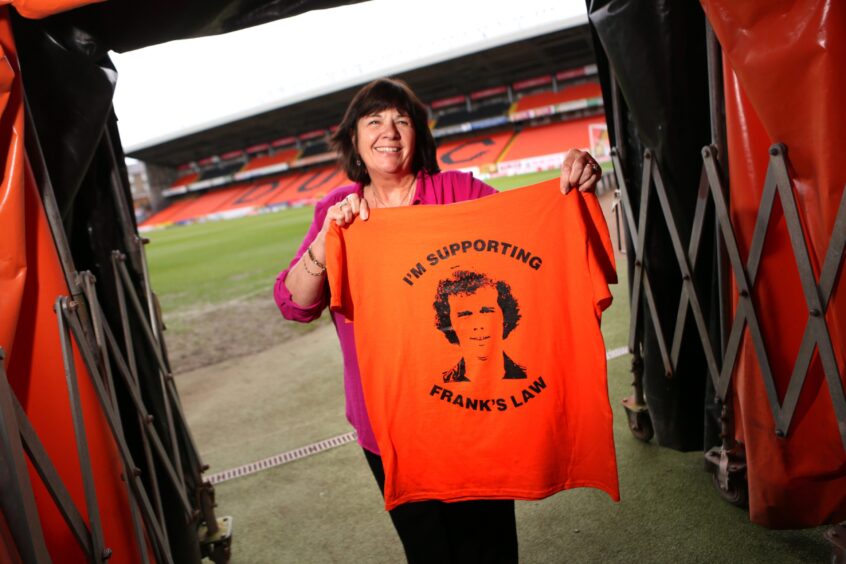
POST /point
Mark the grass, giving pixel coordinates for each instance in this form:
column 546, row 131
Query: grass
column 214, row 262
column 509, row 182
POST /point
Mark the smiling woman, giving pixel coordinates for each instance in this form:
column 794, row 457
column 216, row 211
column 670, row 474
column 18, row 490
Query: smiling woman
column 387, row 149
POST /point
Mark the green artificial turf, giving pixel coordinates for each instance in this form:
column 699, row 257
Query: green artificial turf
column 216, row 261
column 508, row 182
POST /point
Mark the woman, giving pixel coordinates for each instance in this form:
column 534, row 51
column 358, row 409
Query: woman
column 386, row 148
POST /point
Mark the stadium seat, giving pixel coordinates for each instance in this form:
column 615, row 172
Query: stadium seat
column 208, row 203
column 473, row 152
column 310, row 186
column 256, row 195
column 279, row 157
column 164, row 216
column 568, row 94
column 186, row 179
column 482, row 112
column 317, row 148
column 553, row 138
column 221, row 170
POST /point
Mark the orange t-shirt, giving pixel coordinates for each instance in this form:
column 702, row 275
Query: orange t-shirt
column 477, row 333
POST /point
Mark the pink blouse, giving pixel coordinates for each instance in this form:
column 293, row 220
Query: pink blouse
column 441, row 188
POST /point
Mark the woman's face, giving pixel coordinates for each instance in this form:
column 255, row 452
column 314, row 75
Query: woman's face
column 385, row 141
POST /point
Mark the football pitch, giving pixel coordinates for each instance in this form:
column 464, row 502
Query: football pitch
column 203, row 264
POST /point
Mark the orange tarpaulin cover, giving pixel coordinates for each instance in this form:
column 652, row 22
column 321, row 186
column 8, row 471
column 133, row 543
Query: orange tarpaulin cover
column 31, row 278
column 785, row 83
column 44, row 8
column 477, row 334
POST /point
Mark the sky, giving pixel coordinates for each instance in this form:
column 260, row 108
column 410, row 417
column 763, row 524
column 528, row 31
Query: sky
column 171, row 89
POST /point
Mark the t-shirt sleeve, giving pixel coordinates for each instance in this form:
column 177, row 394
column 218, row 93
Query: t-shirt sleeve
column 600, row 253
column 337, row 274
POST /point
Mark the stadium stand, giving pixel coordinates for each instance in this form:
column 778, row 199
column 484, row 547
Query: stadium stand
column 208, row 203
column 486, row 111
column 553, row 138
column 279, row 157
column 572, row 93
column 473, row 152
column 186, row 179
column 164, row 217
column 221, row 169
column 255, row 196
column 315, row 148
column 231, row 187
column 308, row 186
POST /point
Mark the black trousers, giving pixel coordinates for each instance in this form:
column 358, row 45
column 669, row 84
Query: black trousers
column 477, row 531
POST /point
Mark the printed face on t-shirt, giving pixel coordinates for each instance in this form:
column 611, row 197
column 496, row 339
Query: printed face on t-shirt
column 477, row 321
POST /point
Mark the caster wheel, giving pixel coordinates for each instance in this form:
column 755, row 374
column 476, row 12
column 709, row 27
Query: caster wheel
column 641, row 426
column 737, row 492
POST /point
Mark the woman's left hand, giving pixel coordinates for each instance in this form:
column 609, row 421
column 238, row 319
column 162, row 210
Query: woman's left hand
column 579, row 170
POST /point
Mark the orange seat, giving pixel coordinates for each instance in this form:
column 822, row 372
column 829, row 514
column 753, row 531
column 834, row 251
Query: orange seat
column 473, row 152
column 185, row 180
column 554, row 138
column 165, row 215
column 311, row 185
column 283, row 156
column 568, row 94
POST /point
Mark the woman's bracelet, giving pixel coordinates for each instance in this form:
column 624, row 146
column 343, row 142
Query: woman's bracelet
column 317, row 263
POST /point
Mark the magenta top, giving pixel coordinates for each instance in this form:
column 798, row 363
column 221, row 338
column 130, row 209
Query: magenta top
column 441, row 188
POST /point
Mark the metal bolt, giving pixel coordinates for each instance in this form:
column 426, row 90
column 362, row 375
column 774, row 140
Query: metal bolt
column 145, row 241
column 779, row 433
column 107, row 553
column 149, row 419
column 638, row 263
column 686, row 277
column 814, row 312
column 774, row 151
column 744, row 294
column 72, row 305
column 136, row 472
column 205, row 467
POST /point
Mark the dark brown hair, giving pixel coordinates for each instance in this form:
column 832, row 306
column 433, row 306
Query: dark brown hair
column 381, row 94
column 465, row 283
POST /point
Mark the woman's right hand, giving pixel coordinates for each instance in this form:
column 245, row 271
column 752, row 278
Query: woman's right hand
column 342, row 213
column 345, row 211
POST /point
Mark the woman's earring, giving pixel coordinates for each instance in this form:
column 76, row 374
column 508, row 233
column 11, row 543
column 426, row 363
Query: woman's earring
column 358, row 162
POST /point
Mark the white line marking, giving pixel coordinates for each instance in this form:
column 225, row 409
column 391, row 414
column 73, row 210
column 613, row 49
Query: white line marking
column 282, row 458
column 616, row 353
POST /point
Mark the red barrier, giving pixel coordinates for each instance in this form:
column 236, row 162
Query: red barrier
column 785, row 83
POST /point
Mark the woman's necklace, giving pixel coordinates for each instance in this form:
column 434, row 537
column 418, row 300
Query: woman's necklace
column 405, row 199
